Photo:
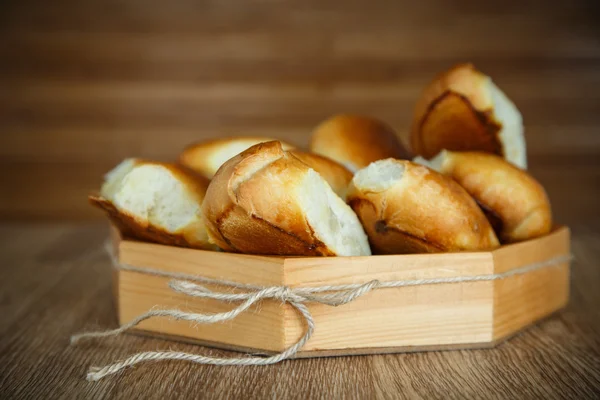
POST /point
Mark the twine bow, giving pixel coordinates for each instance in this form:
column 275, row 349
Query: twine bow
column 295, row 297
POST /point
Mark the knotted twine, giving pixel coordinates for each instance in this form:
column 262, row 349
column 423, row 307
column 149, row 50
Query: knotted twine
column 331, row 295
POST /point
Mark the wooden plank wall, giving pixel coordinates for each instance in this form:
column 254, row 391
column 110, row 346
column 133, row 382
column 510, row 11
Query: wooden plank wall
column 84, row 84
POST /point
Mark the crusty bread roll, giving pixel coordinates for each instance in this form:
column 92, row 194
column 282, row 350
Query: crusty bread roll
column 266, row 201
column 336, row 175
column 155, row 201
column 206, row 157
column 408, row 208
column 356, row 141
column 515, row 203
column 463, row 110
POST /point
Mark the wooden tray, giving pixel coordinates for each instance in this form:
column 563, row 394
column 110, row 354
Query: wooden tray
column 425, row 317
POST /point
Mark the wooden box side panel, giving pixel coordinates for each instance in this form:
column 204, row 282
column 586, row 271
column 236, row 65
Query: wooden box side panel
column 427, row 315
column 433, row 315
column 140, row 292
column 523, row 299
column 319, row 271
column 240, row 268
column 260, row 327
column 533, row 251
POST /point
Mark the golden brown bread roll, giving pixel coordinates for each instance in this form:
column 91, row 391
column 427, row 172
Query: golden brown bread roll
column 515, row 203
column 408, row 208
column 159, row 202
column 463, row 110
column 266, row 201
column 336, row 175
column 356, row 141
column 206, row 157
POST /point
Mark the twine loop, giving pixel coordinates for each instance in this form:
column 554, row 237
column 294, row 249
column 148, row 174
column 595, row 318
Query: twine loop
column 335, row 295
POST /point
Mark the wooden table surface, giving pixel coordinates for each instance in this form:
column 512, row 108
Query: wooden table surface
column 55, row 280
column 84, row 84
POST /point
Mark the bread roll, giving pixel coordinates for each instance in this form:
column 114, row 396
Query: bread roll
column 155, row 201
column 266, row 201
column 463, row 110
column 356, row 141
column 515, row 203
column 336, row 175
column 408, row 208
column 206, row 157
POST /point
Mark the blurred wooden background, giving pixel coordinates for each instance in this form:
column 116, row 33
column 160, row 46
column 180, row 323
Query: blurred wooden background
column 84, row 84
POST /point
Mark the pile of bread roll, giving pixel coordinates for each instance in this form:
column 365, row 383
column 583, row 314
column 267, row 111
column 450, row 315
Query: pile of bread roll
column 461, row 186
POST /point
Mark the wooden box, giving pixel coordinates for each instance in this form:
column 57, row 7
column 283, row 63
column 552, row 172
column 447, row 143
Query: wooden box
column 521, row 284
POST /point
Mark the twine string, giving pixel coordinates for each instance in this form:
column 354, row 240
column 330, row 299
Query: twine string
column 331, row 295
column 97, row 373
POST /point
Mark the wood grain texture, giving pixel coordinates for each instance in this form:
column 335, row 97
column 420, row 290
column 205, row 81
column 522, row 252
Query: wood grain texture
column 55, row 280
column 84, row 84
column 517, row 300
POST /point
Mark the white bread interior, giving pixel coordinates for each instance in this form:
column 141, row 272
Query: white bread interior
column 435, row 163
column 154, row 196
column 332, row 220
column 378, row 176
column 511, row 134
column 113, row 179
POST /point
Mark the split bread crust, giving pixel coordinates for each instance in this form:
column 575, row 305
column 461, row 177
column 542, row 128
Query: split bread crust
column 515, row 203
column 154, row 201
column 206, row 157
column 463, row 110
column 409, row 208
column 266, row 201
